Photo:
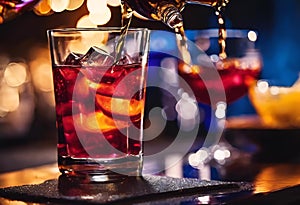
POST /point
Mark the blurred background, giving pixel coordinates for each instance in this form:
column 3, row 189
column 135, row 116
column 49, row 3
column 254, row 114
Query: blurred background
column 27, row 116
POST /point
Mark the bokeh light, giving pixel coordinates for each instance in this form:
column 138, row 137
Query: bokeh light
column 96, row 6
column 42, row 8
column 252, row 36
column 59, row 5
column 41, row 74
column 114, row 2
column 9, row 98
column 86, row 42
column 220, row 112
column 98, row 11
column 187, row 111
column 74, row 4
column 85, row 22
column 101, row 17
column 262, row 86
column 15, row 74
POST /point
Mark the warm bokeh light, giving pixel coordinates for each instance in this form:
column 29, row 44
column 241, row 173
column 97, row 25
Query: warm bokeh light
column 86, row 42
column 42, row 75
column 15, row 74
column 285, row 176
column 74, row 4
column 16, row 97
column 42, row 8
column 59, row 5
column 40, row 69
column 101, row 17
column 96, row 6
column 9, row 98
column 29, row 176
column 9, row 202
column 221, row 21
column 85, row 22
column 114, row 2
column 98, row 11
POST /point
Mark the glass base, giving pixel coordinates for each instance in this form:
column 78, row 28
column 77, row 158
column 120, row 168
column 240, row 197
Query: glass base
column 101, row 170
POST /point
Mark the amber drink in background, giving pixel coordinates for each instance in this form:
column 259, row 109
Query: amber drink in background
column 100, row 96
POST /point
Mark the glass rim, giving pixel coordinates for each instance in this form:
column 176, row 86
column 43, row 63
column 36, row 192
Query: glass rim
column 110, row 29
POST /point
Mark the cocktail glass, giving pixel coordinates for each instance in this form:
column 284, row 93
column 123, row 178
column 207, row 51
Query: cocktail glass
column 216, row 81
column 99, row 77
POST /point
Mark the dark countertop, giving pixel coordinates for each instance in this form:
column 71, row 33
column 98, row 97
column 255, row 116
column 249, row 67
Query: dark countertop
column 275, row 179
column 274, row 184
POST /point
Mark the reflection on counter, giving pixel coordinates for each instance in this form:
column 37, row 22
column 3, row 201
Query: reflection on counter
column 266, row 177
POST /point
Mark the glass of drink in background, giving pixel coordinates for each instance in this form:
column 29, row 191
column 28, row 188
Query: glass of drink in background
column 229, row 68
column 221, row 72
column 99, row 79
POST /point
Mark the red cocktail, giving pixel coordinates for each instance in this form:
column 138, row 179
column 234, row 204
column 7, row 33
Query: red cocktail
column 99, row 104
column 212, row 77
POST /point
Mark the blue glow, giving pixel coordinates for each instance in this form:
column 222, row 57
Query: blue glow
column 281, row 55
column 162, row 41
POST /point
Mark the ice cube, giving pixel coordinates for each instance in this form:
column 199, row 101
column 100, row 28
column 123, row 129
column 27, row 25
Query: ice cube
column 73, row 59
column 125, row 60
column 97, row 57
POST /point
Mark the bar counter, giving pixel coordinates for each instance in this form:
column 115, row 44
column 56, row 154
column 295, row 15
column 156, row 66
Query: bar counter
column 273, row 184
column 269, row 176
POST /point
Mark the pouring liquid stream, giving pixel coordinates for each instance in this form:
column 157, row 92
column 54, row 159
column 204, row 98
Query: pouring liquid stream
column 182, row 45
column 126, row 20
column 181, row 38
